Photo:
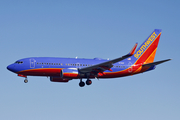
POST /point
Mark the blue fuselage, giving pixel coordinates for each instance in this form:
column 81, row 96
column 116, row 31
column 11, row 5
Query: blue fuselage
column 51, row 66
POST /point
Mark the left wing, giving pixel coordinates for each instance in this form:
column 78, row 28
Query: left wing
column 106, row 65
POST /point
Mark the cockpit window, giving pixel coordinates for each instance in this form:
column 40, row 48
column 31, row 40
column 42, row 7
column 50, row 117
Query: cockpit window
column 19, row 62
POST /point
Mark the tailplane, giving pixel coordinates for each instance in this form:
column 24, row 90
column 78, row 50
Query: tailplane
column 156, row 63
column 151, row 66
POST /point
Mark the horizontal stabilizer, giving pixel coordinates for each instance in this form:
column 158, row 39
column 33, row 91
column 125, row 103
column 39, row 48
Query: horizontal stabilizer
column 156, row 63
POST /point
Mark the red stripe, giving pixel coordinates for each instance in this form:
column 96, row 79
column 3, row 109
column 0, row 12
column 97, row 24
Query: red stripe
column 42, row 72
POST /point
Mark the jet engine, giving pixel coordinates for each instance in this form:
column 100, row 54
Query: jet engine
column 69, row 73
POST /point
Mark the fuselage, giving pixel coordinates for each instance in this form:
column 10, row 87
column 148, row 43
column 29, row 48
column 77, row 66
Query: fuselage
column 52, row 66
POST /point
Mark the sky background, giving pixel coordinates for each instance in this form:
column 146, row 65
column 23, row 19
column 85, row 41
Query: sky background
column 89, row 29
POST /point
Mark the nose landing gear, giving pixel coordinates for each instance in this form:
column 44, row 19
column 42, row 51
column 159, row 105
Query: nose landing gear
column 26, row 80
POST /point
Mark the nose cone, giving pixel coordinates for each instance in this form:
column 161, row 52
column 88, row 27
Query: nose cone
column 11, row 67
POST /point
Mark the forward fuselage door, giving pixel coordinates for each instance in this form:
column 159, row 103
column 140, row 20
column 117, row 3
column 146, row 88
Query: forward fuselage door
column 32, row 63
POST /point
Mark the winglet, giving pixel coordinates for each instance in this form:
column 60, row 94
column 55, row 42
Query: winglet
column 133, row 49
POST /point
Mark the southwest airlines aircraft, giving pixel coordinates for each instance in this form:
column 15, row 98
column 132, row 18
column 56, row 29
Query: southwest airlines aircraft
column 66, row 69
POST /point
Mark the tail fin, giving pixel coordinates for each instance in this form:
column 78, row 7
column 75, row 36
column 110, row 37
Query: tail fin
column 146, row 52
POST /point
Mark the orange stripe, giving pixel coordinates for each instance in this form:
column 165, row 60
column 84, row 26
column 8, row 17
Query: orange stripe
column 150, row 59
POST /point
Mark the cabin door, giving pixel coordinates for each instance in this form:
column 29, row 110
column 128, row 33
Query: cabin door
column 32, row 63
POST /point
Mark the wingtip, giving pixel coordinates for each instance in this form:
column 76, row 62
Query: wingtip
column 168, row 59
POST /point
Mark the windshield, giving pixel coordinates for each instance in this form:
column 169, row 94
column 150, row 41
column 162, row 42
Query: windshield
column 19, row 62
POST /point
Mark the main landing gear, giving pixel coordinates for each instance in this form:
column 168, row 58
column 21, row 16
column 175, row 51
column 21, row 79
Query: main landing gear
column 88, row 82
column 82, row 84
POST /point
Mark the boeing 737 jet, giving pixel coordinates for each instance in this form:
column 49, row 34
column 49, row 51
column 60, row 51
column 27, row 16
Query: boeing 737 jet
column 66, row 69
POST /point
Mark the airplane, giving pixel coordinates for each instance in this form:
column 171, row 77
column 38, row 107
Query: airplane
column 66, row 69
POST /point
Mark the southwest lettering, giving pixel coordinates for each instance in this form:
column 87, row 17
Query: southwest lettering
column 145, row 46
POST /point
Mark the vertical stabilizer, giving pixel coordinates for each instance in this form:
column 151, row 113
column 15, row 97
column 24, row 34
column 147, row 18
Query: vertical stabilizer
column 146, row 52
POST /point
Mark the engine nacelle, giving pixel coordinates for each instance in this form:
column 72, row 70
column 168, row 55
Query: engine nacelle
column 69, row 73
column 58, row 79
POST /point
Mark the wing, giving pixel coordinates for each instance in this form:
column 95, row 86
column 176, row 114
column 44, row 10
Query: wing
column 99, row 68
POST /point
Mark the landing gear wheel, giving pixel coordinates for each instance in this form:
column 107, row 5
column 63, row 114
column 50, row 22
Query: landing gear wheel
column 88, row 82
column 25, row 81
column 81, row 84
